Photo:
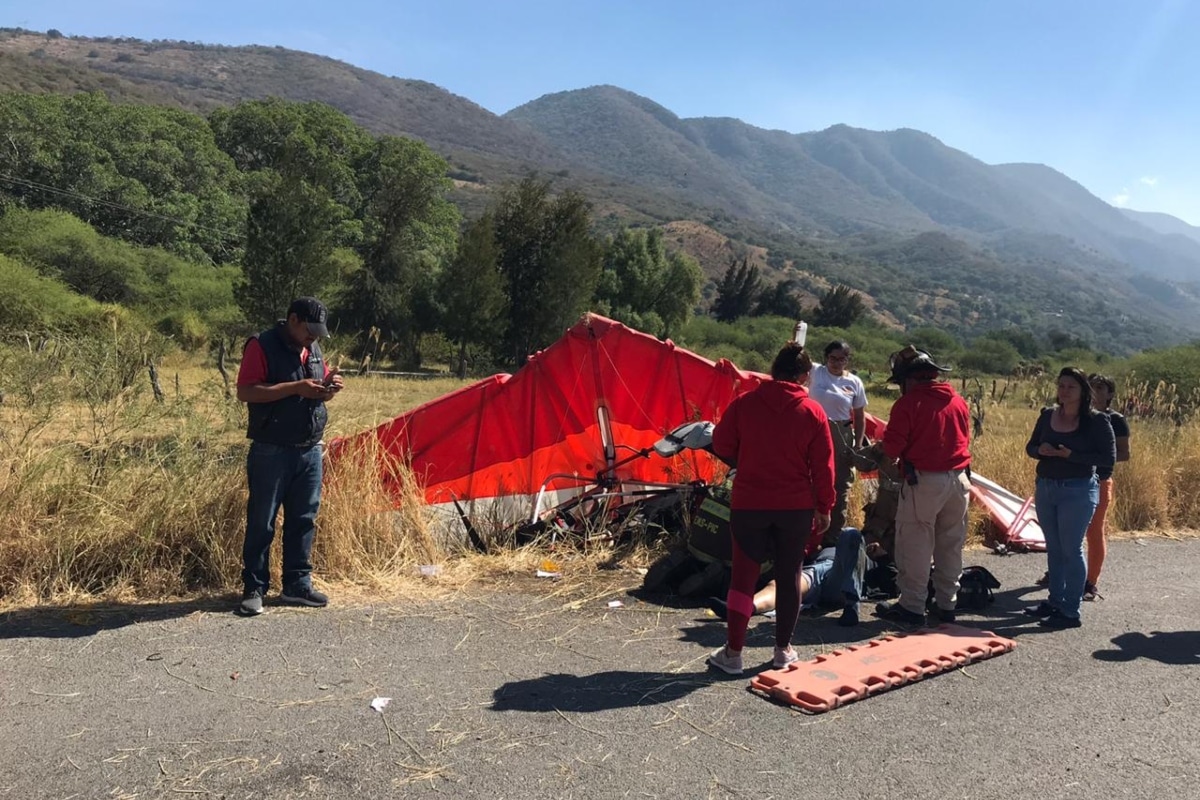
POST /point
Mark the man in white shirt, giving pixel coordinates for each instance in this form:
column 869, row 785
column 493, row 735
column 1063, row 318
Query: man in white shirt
column 844, row 398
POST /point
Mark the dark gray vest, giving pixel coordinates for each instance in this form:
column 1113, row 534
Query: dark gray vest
column 295, row 421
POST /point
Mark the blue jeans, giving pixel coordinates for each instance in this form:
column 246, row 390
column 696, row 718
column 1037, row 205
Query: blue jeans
column 289, row 477
column 835, row 579
column 1064, row 510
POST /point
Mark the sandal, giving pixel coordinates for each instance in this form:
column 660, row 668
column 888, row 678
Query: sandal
column 1090, row 592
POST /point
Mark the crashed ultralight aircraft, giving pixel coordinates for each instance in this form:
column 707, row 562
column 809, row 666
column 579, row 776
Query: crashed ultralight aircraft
column 586, row 412
column 588, row 408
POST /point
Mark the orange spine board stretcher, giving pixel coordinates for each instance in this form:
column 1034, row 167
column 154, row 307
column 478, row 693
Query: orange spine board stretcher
column 843, row 676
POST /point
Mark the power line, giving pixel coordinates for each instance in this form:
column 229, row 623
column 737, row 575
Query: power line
column 99, row 201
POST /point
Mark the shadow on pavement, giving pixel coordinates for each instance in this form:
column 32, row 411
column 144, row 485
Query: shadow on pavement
column 601, row 691
column 667, row 600
column 813, row 629
column 74, row 621
column 1167, row 647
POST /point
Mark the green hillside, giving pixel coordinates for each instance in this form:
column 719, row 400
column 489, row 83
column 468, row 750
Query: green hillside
column 839, row 205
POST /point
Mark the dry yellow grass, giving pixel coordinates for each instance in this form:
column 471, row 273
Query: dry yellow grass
column 123, row 497
column 1154, row 489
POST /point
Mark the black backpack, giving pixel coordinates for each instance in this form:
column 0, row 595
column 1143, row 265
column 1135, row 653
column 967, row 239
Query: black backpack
column 975, row 588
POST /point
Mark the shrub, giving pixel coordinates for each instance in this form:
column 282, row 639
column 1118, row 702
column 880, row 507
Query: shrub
column 186, row 328
column 65, row 247
column 990, row 357
column 1178, row 366
column 179, row 297
column 33, row 302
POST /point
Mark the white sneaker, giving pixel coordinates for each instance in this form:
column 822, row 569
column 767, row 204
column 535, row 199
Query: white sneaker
column 722, row 660
column 785, row 656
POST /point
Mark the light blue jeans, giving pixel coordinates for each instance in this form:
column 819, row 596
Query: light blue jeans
column 835, row 578
column 1064, row 510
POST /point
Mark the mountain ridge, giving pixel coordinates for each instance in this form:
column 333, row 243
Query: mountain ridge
column 1166, row 224
column 848, row 179
column 813, row 202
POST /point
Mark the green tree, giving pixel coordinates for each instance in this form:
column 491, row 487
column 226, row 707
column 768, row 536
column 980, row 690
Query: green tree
column 737, row 291
column 471, row 291
column 309, row 140
column 31, row 301
column 165, row 290
column 840, row 307
column 680, row 292
column 549, row 259
column 646, row 287
column 780, row 300
column 67, row 248
column 297, row 159
column 1061, row 340
column 289, row 245
column 1025, row 342
column 942, row 345
column 990, row 357
column 409, row 230
column 149, row 175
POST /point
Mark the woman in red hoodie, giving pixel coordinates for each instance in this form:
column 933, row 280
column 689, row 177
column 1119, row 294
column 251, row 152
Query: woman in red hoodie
column 778, row 438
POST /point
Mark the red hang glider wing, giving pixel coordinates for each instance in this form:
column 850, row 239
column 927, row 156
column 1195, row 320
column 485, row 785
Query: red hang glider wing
column 506, row 435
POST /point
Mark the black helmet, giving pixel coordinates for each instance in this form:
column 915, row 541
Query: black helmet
column 911, row 361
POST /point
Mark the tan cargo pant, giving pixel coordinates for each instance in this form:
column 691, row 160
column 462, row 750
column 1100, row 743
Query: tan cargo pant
column 931, row 525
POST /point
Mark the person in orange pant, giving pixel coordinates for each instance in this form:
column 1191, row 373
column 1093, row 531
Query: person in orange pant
column 1103, row 389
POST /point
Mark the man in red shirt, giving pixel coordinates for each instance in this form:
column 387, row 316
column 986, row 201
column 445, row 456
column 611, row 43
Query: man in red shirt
column 285, row 384
column 928, row 434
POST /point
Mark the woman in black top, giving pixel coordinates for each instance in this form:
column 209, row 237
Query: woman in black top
column 1103, row 389
column 1070, row 441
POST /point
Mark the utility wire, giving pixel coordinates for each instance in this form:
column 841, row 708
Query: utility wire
column 99, row 201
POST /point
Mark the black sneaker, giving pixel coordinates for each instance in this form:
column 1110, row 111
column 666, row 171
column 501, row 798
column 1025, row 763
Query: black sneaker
column 894, row 612
column 1041, row 610
column 1059, row 621
column 942, row 615
column 252, row 603
column 303, row 596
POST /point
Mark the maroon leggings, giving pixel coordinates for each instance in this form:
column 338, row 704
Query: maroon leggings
column 760, row 536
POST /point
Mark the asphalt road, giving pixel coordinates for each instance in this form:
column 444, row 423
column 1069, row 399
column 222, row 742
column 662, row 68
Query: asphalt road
column 529, row 694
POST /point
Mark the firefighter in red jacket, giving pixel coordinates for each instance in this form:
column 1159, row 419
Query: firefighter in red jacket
column 928, row 433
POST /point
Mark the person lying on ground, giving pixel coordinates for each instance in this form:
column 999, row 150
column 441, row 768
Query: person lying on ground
column 833, row 580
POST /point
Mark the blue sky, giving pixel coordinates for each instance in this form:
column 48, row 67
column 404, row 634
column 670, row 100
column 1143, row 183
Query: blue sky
column 1103, row 91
